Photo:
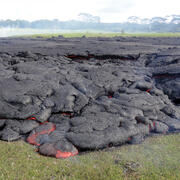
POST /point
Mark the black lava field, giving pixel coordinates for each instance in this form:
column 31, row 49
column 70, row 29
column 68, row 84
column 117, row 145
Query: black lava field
column 69, row 95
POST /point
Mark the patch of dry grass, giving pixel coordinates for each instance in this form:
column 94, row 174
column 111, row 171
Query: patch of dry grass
column 91, row 34
column 156, row 158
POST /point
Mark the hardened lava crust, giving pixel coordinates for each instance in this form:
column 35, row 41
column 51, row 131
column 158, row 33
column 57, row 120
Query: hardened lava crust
column 71, row 95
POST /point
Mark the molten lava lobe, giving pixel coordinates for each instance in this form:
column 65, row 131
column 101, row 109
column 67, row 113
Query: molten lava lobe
column 149, row 90
column 65, row 149
column 67, row 114
column 43, row 122
column 78, row 57
column 166, row 76
column 110, row 94
column 43, row 115
column 60, row 149
column 31, row 118
column 46, row 128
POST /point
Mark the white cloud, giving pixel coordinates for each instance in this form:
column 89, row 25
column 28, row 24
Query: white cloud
column 108, row 10
column 117, row 6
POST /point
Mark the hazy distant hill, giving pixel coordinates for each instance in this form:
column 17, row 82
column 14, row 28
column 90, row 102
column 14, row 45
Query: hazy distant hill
column 89, row 22
column 172, row 19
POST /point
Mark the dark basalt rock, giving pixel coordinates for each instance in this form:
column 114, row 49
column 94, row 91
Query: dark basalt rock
column 91, row 94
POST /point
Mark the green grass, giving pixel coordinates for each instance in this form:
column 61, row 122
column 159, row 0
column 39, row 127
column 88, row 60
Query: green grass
column 156, row 158
column 88, row 34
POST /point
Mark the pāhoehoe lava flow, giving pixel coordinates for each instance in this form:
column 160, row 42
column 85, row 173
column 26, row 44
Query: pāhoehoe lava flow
column 69, row 95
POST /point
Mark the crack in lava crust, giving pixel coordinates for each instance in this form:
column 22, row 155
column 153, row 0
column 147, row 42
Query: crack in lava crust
column 32, row 137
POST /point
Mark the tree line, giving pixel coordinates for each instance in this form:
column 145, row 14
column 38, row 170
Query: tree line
column 79, row 25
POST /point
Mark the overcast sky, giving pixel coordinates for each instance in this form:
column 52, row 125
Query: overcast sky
column 108, row 10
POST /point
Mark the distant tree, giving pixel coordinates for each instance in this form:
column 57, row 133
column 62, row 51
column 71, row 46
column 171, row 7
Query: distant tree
column 88, row 21
column 122, row 31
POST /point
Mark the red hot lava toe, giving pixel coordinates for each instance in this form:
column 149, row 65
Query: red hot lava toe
column 46, row 128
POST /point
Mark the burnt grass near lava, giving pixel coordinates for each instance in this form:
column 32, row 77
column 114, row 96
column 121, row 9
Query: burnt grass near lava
column 71, row 95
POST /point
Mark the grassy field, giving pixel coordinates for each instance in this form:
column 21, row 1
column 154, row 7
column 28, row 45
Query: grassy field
column 88, row 34
column 158, row 158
